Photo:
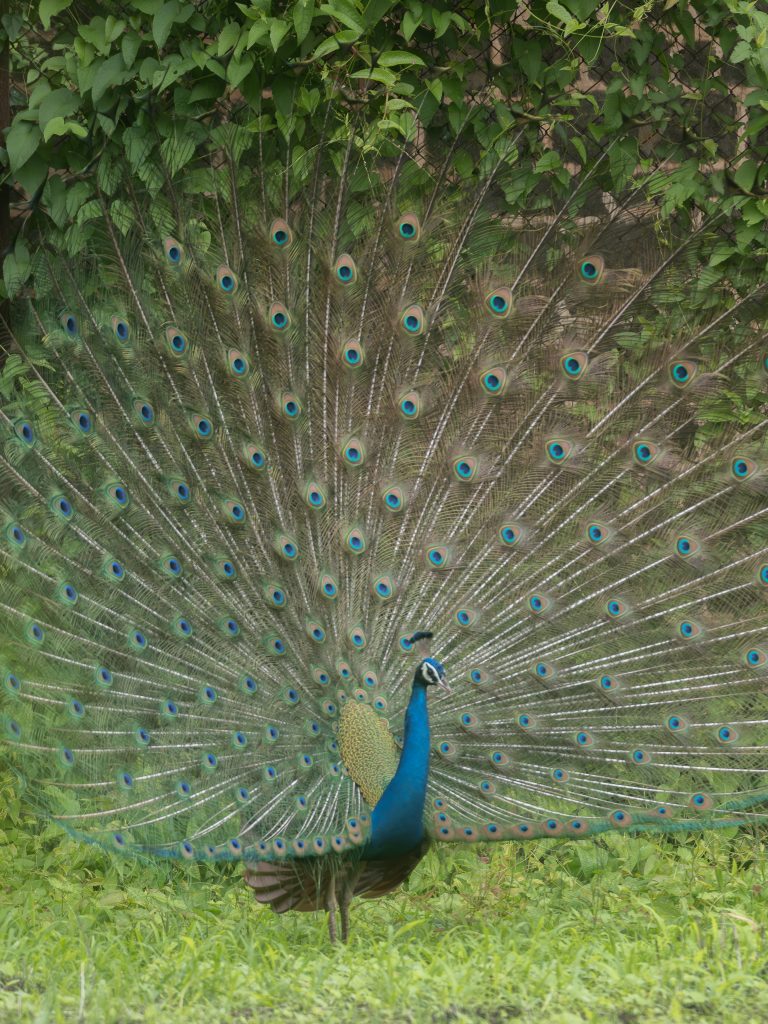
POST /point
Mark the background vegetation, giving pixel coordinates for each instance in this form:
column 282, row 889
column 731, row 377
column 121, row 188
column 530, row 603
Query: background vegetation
column 126, row 94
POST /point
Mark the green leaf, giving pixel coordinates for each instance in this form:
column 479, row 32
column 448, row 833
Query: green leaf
column 49, row 8
column 745, row 176
column 122, row 216
column 58, row 126
column 111, row 73
column 303, row 13
column 21, row 142
column 411, row 22
column 392, row 58
column 129, row 46
column 278, row 30
column 162, row 23
column 16, row 268
column 282, row 94
column 345, row 13
column 228, row 37
column 237, row 70
column 329, row 45
column 59, row 103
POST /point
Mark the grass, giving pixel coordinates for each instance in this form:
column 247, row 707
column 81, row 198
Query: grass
column 632, row 930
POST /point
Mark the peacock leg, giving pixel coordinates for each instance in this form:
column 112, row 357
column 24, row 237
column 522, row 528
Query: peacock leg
column 345, row 898
column 331, row 903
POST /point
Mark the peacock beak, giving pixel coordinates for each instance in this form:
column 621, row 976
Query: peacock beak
column 443, row 682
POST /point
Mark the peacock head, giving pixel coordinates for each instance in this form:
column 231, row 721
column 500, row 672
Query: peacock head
column 430, row 673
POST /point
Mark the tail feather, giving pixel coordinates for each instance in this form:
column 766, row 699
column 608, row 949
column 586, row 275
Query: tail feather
column 255, row 438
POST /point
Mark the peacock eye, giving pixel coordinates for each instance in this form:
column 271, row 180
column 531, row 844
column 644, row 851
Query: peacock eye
column 69, row 322
column 538, row 603
column 409, row 227
column 574, row 364
column 510, row 534
column 314, row 495
column 278, row 316
column 353, row 354
column 499, row 303
column 234, row 511
column 558, row 450
column 143, row 412
column 280, row 234
column 743, row 468
column 412, row 320
column 494, row 380
column 465, row 617
column 121, row 330
column 345, row 269
column 592, row 269
column 682, row 372
column 465, row 468
column 686, row 546
column 354, row 540
column 171, row 566
column 353, row 452
column 176, row 340
column 356, row 636
column 286, row 547
column 24, row 432
column 688, row 630
column 237, row 363
column 254, row 456
column 615, row 608
column 438, row 557
column 597, row 533
column 226, row 279
column 645, row 452
column 83, row 421
column 290, row 405
column 202, row 426
column 544, row 671
column 394, row 499
column 315, row 631
column 174, row 251
column 383, row 588
column 275, row 595
column 755, row 657
column 409, row 405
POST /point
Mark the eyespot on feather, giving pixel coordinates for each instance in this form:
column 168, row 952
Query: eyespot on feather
column 574, row 365
column 352, row 354
column 409, row 227
column 592, row 269
column 558, row 450
column 345, row 269
column 742, row 467
column 645, row 453
column 494, row 381
column 226, row 279
column 499, row 303
column 176, row 340
column 280, row 235
column 238, row 363
column 409, row 405
column 412, row 320
column 279, row 317
column 682, row 372
column 174, row 252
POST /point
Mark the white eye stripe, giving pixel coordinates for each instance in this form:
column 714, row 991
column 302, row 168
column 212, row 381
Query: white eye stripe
column 430, row 672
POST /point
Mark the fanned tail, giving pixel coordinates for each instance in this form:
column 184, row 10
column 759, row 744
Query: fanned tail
column 254, row 438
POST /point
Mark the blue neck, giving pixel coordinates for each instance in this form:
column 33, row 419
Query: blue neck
column 397, row 821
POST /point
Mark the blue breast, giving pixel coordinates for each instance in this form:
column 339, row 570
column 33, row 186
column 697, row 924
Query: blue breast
column 397, row 824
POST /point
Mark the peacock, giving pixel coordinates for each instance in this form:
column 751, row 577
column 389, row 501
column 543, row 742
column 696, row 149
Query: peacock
column 345, row 516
